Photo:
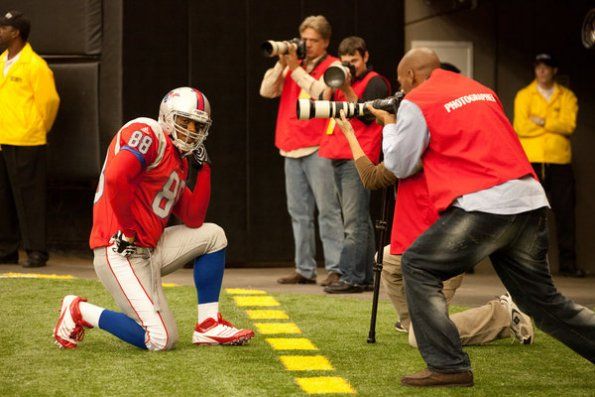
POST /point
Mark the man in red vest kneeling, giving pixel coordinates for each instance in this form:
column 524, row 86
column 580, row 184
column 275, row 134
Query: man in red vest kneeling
column 490, row 205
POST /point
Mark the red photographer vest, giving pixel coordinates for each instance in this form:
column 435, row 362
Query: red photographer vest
column 472, row 144
column 291, row 133
column 414, row 213
column 334, row 145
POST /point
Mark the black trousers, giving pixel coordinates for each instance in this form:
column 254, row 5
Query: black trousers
column 558, row 182
column 22, row 198
column 517, row 247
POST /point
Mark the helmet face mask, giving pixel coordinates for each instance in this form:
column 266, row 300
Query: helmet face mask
column 185, row 115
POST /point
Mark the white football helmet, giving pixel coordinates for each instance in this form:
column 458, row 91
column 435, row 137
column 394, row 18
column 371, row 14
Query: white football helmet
column 191, row 104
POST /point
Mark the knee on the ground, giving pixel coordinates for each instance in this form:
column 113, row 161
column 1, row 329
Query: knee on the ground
column 161, row 339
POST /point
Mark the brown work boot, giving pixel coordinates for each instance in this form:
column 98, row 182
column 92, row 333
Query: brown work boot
column 331, row 278
column 296, row 278
column 427, row 378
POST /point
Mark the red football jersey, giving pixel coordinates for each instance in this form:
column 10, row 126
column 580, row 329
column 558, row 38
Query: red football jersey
column 158, row 188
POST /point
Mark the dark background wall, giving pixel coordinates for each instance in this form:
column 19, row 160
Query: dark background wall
column 506, row 36
column 135, row 51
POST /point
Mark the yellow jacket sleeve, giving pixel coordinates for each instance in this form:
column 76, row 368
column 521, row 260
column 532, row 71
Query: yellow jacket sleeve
column 564, row 121
column 46, row 97
column 522, row 123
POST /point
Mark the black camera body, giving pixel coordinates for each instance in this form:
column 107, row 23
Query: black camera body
column 273, row 48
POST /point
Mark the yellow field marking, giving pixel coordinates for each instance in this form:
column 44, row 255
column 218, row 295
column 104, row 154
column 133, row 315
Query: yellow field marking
column 277, row 328
column 306, row 363
column 38, row 275
column 267, row 315
column 167, row 285
column 242, row 291
column 325, row 385
column 256, row 301
column 291, row 344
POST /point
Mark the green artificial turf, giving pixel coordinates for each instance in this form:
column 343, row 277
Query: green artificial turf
column 31, row 365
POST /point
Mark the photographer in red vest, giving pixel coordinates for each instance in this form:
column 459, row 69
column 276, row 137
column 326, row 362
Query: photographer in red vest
column 490, row 205
column 357, row 256
column 309, row 180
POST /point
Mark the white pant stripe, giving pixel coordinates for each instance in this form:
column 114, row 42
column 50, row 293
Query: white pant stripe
column 157, row 336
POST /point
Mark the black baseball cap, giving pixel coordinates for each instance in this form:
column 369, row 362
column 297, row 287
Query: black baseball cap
column 546, row 59
column 17, row 20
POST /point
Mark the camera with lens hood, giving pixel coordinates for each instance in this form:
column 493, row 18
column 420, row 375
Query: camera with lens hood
column 335, row 76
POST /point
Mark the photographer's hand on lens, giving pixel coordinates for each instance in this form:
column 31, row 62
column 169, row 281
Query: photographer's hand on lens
column 292, row 59
column 344, row 124
column 382, row 117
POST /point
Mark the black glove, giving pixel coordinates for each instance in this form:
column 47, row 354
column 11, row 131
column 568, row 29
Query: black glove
column 200, row 156
column 121, row 246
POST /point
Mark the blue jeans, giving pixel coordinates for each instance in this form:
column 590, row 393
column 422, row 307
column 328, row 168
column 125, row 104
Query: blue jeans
column 517, row 246
column 357, row 256
column 309, row 185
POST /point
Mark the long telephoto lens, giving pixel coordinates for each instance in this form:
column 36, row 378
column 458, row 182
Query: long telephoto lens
column 308, row 109
column 273, row 48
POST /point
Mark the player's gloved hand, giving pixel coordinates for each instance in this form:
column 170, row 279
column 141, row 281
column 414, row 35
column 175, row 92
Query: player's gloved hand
column 123, row 245
column 200, row 156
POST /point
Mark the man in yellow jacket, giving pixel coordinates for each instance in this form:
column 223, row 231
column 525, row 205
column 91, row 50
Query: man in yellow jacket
column 544, row 118
column 28, row 106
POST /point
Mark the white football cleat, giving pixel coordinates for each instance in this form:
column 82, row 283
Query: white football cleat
column 70, row 328
column 520, row 323
column 220, row 332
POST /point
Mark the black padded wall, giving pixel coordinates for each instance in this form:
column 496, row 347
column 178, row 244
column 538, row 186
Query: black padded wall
column 74, row 152
column 154, row 53
column 62, row 27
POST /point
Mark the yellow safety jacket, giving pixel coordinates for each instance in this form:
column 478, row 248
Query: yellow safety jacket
column 28, row 100
column 549, row 143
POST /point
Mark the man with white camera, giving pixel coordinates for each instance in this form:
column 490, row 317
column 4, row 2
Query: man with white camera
column 308, row 177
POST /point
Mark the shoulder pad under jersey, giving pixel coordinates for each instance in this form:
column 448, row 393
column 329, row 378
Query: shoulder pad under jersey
column 159, row 134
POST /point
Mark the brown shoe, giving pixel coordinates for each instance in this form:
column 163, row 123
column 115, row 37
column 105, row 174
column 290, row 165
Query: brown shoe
column 331, row 278
column 296, row 278
column 427, row 378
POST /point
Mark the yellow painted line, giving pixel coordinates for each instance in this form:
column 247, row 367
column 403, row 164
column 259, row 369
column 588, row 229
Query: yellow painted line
column 242, row 291
column 267, row 315
column 325, row 385
column 277, row 328
column 291, row 344
column 38, row 275
column 306, row 363
column 167, row 285
column 256, row 301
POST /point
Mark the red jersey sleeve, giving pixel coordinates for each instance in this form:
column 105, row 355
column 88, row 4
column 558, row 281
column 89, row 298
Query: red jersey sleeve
column 140, row 140
column 121, row 182
column 192, row 205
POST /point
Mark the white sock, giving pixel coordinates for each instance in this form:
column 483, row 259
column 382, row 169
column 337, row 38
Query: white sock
column 207, row 310
column 91, row 313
